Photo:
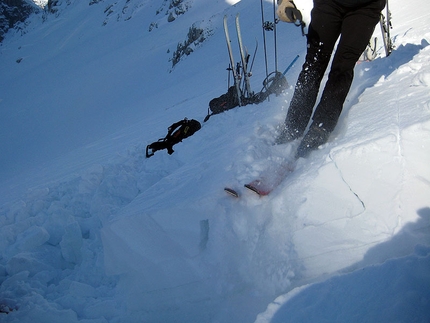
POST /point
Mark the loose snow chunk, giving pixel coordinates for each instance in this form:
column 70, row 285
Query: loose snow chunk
column 30, row 239
column 25, row 262
column 71, row 243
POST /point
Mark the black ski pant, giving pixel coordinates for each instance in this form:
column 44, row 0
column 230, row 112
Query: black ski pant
column 330, row 20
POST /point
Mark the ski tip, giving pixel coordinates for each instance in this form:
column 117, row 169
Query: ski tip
column 231, row 191
column 256, row 190
column 252, row 188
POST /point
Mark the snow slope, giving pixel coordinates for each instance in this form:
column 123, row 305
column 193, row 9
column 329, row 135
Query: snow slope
column 92, row 231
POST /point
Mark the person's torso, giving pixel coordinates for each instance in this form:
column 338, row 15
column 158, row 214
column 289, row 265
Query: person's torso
column 353, row 3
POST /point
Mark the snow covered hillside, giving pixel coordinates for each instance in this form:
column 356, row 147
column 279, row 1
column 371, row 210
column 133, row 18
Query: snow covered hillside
column 92, row 231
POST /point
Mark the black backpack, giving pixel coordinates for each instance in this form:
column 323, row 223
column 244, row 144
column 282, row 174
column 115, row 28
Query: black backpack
column 186, row 129
column 175, row 133
column 275, row 83
column 224, row 102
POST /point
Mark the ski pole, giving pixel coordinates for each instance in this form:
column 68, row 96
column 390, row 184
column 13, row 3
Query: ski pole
column 291, row 64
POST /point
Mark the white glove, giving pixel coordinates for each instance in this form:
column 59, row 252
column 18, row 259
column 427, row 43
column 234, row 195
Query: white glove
column 288, row 12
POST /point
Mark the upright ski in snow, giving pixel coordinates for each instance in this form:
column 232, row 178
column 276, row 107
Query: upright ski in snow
column 385, row 23
column 236, row 74
column 240, row 68
column 244, row 57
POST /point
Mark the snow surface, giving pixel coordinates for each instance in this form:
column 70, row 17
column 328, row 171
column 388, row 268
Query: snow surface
column 41, row 3
column 92, row 231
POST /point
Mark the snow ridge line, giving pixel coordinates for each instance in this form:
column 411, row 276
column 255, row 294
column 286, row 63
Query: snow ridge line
column 349, row 186
column 401, row 156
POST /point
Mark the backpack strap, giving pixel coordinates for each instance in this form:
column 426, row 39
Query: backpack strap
column 174, row 126
column 208, row 115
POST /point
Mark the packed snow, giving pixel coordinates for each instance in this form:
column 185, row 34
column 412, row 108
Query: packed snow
column 93, row 231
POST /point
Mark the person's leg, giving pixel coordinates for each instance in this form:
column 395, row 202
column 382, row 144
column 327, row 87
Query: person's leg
column 357, row 29
column 306, row 91
column 324, row 30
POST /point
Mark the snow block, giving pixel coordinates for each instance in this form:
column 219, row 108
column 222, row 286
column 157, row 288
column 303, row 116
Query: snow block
column 25, row 262
column 30, row 239
column 71, row 243
column 59, row 218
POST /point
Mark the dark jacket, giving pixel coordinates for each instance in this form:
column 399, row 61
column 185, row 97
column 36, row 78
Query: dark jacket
column 354, row 3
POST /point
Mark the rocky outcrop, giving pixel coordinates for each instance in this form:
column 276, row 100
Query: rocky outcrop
column 195, row 36
column 12, row 12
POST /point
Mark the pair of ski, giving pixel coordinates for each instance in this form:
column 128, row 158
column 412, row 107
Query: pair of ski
column 237, row 75
column 385, row 23
column 267, row 181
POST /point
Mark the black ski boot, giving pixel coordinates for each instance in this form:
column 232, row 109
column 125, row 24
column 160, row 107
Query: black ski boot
column 316, row 136
column 287, row 135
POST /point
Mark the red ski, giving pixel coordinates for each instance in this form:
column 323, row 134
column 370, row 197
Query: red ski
column 270, row 179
